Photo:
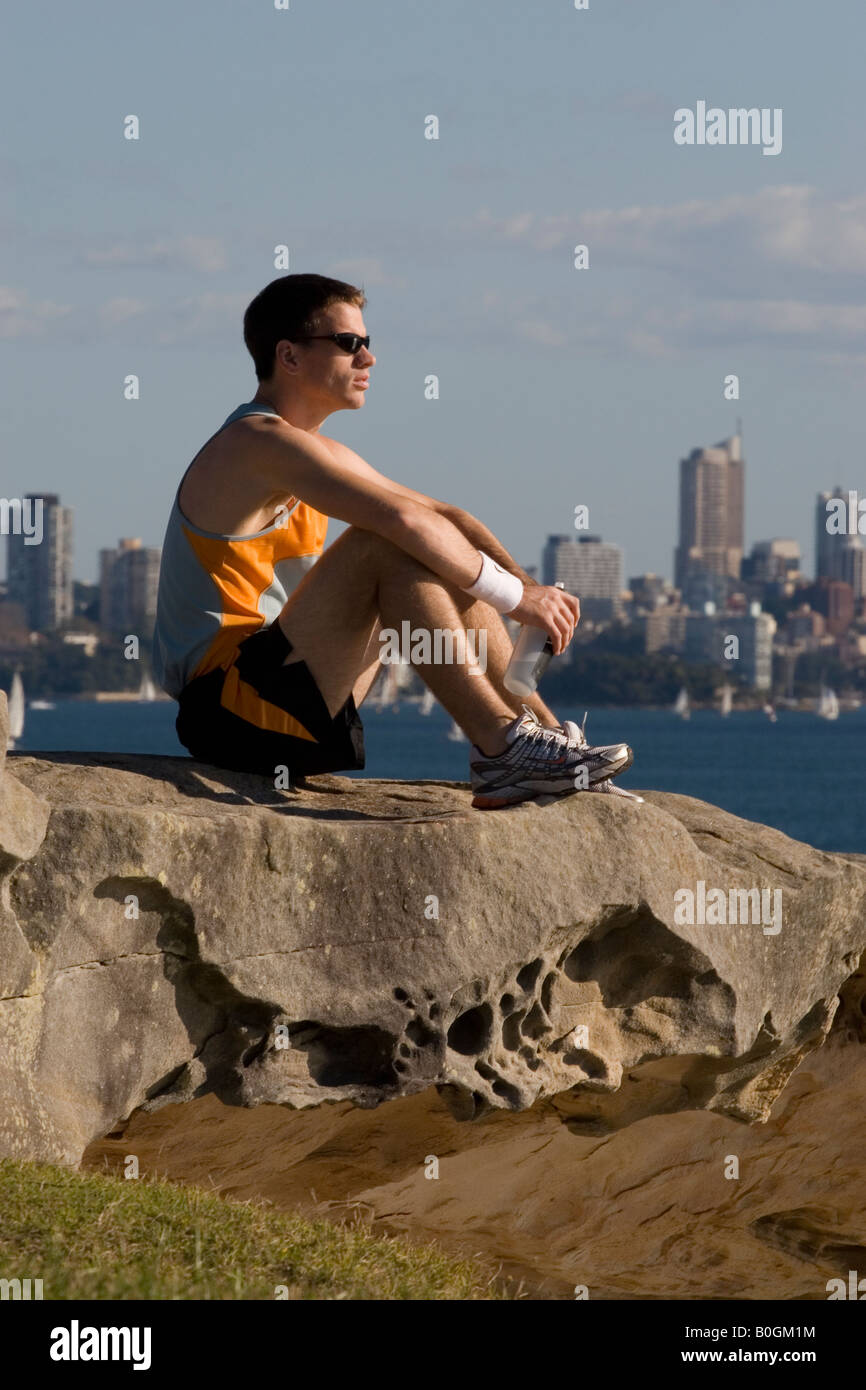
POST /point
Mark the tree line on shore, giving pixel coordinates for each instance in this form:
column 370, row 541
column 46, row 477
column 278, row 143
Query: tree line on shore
column 611, row 668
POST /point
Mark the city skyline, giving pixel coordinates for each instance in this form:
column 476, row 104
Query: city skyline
column 845, row 560
column 808, row 551
column 698, row 454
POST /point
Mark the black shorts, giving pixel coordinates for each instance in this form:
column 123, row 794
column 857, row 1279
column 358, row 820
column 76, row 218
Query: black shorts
column 257, row 715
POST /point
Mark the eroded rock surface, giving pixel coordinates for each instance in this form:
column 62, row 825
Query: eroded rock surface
column 652, row 1209
column 692, row 1206
column 179, row 931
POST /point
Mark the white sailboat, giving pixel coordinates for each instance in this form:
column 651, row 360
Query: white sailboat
column 770, row 713
column 828, row 704
column 727, row 701
column 681, row 704
column 17, row 705
column 393, row 685
column 147, row 689
column 387, row 690
column 402, row 675
column 426, row 703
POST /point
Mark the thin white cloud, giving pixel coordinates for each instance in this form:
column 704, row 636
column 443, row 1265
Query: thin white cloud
column 367, row 271
column 713, row 272
column 788, row 226
column 644, row 343
column 23, row 317
column 201, row 253
column 791, row 226
column 120, row 310
column 540, row 331
column 787, row 318
column 678, row 324
column 211, row 316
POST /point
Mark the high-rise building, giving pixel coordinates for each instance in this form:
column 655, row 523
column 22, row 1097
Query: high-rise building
column 664, row 629
column 756, row 631
column 588, row 567
column 128, row 583
column 710, row 549
column 840, row 607
column 39, row 576
column 772, row 562
column 708, row 639
column 838, row 553
column 651, row 591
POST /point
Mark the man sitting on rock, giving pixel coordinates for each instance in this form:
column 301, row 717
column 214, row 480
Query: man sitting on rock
column 270, row 642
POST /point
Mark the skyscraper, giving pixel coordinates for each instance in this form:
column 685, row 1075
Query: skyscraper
column 128, row 582
column 40, row 575
column 588, row 567
column 838, row 553
column 710, row 549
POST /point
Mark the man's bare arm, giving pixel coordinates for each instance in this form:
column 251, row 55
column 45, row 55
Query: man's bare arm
column 478, row 534
column 471, row 527
column 298, row 463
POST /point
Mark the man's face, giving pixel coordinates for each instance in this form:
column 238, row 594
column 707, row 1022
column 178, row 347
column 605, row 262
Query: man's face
column 325, row 372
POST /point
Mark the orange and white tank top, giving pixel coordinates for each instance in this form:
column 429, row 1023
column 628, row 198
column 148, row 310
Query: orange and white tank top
column 215, row 590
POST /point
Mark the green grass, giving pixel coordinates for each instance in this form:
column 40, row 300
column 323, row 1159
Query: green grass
column 90, row 1236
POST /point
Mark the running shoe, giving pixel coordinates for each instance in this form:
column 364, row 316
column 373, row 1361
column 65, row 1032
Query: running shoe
column 576, row 736
column 539, row 762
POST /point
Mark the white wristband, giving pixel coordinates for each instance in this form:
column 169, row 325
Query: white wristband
column 496, row 586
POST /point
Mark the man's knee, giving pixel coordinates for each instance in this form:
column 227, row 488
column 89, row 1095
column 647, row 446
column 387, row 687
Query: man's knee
column 367, row 545
column 384, row 557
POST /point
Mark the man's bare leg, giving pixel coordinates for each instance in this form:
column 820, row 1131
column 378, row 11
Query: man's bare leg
column 362, row 582
column 477, row 616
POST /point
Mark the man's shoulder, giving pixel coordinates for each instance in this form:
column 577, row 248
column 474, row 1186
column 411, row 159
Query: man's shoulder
column 253, row 437
column 249, row 426
column 341, row 452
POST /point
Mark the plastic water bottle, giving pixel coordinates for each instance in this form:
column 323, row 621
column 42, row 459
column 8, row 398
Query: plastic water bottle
column 529, row 660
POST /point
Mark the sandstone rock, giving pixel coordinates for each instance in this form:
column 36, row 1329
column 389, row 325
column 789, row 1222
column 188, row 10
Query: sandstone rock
column 652, row 1210
column 23, row 816
column 193, row 932
column 23, row 820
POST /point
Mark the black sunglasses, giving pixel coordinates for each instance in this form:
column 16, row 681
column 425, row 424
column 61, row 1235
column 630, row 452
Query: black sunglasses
column 349, row 342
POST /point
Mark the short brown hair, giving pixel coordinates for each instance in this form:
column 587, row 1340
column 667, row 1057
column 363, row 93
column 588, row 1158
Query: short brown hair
column 289, row 308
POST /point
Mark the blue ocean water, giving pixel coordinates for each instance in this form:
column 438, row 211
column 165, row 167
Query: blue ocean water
column 804, row 775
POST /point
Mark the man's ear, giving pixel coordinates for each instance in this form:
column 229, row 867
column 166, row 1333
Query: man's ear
column 286, row 355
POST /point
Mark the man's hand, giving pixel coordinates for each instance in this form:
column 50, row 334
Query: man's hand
column 553, row 610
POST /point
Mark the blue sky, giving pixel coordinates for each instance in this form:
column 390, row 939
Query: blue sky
column 306, row 127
